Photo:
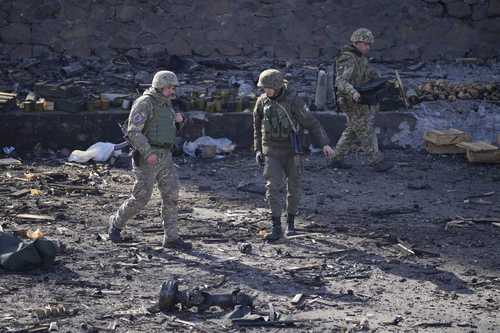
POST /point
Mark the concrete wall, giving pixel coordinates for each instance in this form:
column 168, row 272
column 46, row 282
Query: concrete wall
column 405, row 29
column 395, row 129
column 58, row 130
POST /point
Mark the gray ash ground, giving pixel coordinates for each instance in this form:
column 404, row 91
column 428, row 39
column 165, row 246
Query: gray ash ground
column 356, row 276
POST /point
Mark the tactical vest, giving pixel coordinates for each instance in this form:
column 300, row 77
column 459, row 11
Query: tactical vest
column 276, row 125
column 160, row 128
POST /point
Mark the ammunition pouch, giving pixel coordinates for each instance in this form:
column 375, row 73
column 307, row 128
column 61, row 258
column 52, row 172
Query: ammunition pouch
column 296, row 142
column 136, row 156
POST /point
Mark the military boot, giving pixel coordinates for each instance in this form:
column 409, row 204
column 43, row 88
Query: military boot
column 382, row 166
column 177, row 244
column 114, row 233
column 290, row 230
column 339, row 164
column 276, row 231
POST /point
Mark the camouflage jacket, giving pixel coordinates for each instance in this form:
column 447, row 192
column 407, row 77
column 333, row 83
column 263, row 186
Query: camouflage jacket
column 268, row 109
column 142, row 117
column 352, row 70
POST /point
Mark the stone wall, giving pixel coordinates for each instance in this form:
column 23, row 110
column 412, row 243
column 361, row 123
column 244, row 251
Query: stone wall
column 405, row 29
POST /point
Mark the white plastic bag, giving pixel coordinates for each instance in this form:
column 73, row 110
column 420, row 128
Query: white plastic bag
column 224, row 145
column 99, row 152
column 245, row 89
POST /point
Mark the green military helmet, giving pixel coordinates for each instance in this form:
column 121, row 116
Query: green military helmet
column 362, row 35
column 164, row 78
column 271, row 78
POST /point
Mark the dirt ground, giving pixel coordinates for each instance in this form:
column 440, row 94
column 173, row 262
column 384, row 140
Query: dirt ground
column 415, row 249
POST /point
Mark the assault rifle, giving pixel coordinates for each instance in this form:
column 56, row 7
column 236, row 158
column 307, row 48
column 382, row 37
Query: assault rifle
column 372, row 92
column 125, row 143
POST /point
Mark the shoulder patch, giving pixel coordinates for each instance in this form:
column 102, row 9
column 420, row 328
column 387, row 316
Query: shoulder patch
column 139, row 118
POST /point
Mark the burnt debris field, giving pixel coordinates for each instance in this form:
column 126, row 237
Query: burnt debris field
column 414, row 249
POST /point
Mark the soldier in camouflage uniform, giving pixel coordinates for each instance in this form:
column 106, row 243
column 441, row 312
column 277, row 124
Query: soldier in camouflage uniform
column 151, row 132
column 277, row 113
column 353, row 70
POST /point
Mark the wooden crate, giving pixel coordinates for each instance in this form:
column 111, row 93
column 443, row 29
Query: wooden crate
column 478, row 146
column 481, row 152
column 446, row 137
column 483, row 157
column 432, row 148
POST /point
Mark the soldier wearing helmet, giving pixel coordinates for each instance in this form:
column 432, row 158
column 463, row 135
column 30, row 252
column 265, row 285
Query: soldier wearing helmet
column 352, row 69
column 278, row 114
column 151, row 132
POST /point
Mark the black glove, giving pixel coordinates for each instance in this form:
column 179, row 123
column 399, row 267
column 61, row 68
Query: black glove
column 259, row 158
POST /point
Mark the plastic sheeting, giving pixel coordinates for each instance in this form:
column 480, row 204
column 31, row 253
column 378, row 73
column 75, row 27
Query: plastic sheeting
column 224, row 145
column 99, row 152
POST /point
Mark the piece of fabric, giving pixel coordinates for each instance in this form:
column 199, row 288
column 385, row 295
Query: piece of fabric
column 22, row 255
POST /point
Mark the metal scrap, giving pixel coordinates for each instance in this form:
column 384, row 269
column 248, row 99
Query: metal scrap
column 170, row 296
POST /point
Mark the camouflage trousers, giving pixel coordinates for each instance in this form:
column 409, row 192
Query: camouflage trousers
column 277, row 169
column 165, row 175
column 360, row 131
